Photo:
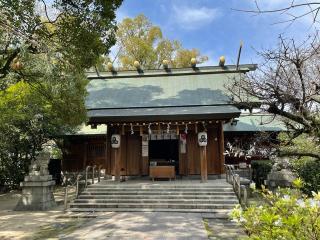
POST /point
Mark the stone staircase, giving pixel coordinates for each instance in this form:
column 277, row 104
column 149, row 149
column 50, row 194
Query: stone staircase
column 216, row 197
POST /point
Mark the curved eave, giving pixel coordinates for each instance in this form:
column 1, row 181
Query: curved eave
column 223, row 112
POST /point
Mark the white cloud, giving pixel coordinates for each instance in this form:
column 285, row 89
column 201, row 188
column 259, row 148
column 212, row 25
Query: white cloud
column 194, row 17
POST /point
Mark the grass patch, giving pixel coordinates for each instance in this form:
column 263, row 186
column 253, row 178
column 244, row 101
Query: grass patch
column 207, row 228
column 58, row 229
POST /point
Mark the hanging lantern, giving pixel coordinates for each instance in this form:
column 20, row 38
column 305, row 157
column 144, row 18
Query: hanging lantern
column 115, row 140
column 202, row 139
column 186, row 129
column 168, row 128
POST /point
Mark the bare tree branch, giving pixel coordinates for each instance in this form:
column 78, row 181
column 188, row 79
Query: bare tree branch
column 286, row 84
column 312, row 8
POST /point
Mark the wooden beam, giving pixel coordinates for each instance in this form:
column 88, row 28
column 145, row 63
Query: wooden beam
column 203, row 164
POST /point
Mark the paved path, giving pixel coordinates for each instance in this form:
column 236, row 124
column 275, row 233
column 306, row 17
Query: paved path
column 126, row 225
column 145, row 225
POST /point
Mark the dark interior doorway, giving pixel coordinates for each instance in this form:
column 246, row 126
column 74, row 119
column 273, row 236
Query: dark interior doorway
column 165, row 153
column 54, row 168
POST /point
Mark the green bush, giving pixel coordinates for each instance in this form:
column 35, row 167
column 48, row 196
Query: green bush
column 309, row 171
column 260, row 170
column 284, row 215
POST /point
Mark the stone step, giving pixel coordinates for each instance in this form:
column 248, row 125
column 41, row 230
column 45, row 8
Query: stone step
column 171, row 196
column 159, row 189
column 212, row 213
column 125, row 192
column 162, row 201
column 153, row 205
column 216, row 200
column 160, row 186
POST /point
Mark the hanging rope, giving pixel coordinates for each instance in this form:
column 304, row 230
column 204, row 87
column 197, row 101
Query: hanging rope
column 186, row 129
column 131, row 129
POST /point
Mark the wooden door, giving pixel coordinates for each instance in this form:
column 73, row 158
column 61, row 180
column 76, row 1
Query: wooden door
column 133, row 155
column 193, row 152
column 213, row 151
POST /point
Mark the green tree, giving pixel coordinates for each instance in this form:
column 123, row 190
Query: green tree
column 45, row 48
column 139, row 40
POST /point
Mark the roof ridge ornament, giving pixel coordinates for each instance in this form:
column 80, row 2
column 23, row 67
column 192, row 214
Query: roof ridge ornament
column 222, row 61
column 193, row 62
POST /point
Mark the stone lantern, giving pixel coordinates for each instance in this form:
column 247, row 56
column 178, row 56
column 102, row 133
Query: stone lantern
column 37, row 187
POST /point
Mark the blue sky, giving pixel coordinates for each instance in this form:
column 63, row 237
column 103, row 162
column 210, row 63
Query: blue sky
column 215, row 29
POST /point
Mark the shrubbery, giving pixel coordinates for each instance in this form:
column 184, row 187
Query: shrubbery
column 309, row 171
column 286, row 214
column 260, row 170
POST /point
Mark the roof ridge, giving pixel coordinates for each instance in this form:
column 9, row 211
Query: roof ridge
column 172, row 71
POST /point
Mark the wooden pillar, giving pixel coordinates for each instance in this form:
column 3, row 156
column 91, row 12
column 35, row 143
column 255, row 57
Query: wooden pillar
column 108, row 152
column 117, row 159
column 85, row 153
column 203, row 164
column 221, row 148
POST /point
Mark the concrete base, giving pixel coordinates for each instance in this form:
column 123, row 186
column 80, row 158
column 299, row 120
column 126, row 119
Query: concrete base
column 37, row 194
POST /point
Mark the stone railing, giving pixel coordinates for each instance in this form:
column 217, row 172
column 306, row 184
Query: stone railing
column 239, row 188
column 67, row 187
column 85, row 181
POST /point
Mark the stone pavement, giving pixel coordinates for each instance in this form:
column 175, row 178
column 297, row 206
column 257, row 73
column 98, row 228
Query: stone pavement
column 56, row 224
column 142, row 225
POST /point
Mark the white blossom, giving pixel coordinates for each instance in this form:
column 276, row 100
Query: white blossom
column 278, row 223
column 286, row 197
column 301, row 203
column 314, row 203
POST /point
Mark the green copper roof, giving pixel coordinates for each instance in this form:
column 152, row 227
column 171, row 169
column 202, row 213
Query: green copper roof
column 160, row 88
column 163, row 94
column 256, row 123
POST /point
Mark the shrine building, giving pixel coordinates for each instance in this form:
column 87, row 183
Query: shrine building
column 157, row 123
